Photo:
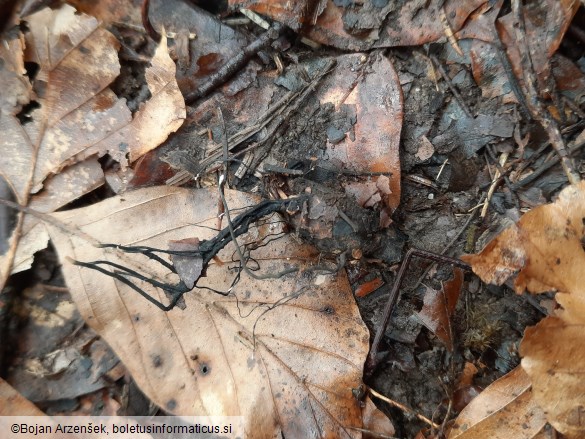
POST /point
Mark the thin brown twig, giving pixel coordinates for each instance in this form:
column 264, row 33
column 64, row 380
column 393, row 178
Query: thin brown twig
column 372, row 433
column 373, row 358
column 537, row 109
column 235, row 64
column 545, row 167
column 403, row 408
column 453, row 89
column 448, row 246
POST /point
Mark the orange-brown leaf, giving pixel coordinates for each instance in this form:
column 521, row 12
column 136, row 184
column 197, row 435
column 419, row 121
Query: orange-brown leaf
column 439, row 307
column 505, row 409
column 545, row 247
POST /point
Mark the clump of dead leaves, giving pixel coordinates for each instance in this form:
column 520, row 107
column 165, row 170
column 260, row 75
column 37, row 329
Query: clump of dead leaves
column 284, row 354
column 545, row 250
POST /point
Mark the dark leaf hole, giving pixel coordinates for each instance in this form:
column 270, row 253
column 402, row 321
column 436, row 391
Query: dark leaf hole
column 328, row 310
column 25, row 114
column 32, row 68
column 205, row 369
column 213, row 6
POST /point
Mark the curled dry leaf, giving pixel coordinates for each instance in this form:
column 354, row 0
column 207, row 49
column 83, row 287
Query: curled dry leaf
column 545, row 247
column 375, row 422
column 439, row 307
column 283, row 353
column 78, row 117
column 505, row 409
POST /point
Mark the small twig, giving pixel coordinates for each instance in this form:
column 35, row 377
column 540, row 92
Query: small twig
column 450, row 244
column 373, row 360
column 280, row 122
column 403, row 408
column 453, row 89
column 492, row 188
column 222, row 182
column 545, row 167
column 573, row 106
column 537, row 109
column 345, row 218
column 503, row 174
column 441, row 169
column 235, row 64
column 252, row 16
column 509, row 70
column 446, row 418
column 271, row 120
column 449, row 32
column 150, row 30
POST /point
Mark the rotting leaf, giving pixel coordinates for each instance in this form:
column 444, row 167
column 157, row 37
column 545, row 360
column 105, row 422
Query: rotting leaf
column 546, row 23
column 372, row 87
column 77, row 116
column 15, row 408
column 414, row 23
column 375, row 422
column 545, row 248
column 505, row 409
column 283, row 353
column 439, row 306
column 294, row 14
column 48, row 364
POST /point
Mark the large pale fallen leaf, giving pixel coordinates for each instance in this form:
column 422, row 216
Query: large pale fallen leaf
column 505, row 409
column 78, row 118
column 283, row 353
column 545, row 247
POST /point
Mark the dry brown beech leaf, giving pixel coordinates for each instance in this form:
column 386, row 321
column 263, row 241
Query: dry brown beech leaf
column 505, row 409
column 371, row 86
column 406, row 24
column 78, row 117
column 545, row 246
column 439, row 306
column 283, row 353
column 375, row 422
